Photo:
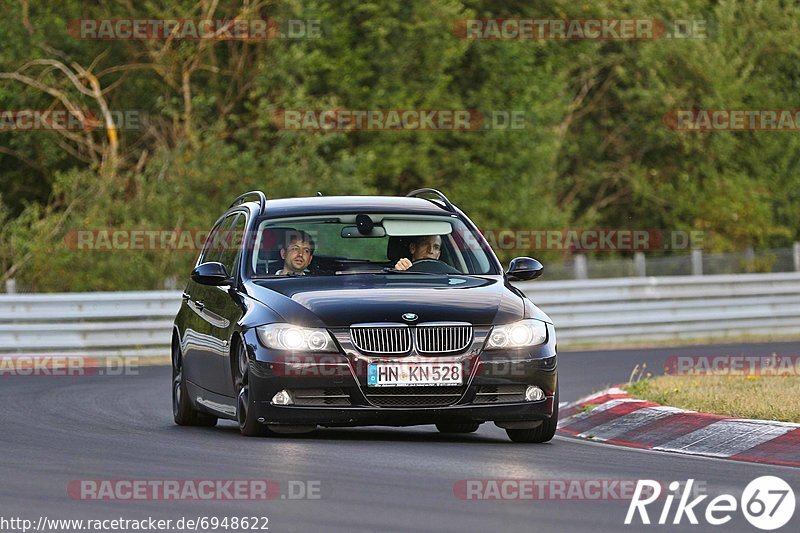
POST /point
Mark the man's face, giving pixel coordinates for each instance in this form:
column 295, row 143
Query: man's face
column 297, row 256
column 426, row 248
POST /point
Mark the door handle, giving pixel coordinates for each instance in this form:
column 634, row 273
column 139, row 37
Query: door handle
column 186, row 296
column 200, row 305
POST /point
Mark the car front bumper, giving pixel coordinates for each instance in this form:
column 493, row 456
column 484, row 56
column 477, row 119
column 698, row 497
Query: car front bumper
column 371, row 416
column 354, row 403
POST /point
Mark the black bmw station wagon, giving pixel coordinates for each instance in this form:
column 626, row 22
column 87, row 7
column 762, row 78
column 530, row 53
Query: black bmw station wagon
column 360, row 310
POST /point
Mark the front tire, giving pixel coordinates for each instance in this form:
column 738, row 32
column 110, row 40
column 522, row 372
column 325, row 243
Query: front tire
column 245, row 399
column 183, row 412
column 541, row 433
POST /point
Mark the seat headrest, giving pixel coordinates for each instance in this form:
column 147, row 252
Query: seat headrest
column 269, row 247
column 397, row 248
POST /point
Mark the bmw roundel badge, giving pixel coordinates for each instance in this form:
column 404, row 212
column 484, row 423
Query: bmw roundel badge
column 409, row 317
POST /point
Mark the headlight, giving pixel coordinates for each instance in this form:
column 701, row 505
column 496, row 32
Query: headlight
column 529, row 332
column 294, row 338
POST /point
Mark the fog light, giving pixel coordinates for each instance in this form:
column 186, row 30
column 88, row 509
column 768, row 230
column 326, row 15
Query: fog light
column 282, row 398
column 534, row 393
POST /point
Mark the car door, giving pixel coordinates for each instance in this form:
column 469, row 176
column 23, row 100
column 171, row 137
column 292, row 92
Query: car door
column 222, row 307
column 202, row 350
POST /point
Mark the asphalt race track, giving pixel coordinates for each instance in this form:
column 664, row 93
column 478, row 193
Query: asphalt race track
column 55, row 430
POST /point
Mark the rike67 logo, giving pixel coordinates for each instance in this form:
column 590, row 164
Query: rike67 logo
column 767, row 502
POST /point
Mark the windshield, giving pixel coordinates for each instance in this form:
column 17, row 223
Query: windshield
column 367, row 243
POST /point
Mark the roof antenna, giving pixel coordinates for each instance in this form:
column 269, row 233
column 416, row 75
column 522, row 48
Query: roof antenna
column 319, row 193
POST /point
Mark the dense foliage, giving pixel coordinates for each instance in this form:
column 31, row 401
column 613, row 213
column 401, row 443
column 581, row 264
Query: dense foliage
column 595, row 150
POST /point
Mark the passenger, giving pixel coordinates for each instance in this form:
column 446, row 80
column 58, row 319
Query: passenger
column 424, row 247
column 297, row 251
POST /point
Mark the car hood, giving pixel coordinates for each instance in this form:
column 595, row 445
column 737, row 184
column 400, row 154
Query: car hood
column 351, row 299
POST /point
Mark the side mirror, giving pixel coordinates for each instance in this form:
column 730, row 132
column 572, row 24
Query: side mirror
column 211, row 274
column 524, row 269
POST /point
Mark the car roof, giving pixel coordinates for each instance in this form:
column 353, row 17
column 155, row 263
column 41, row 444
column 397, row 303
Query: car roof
column 314, row 205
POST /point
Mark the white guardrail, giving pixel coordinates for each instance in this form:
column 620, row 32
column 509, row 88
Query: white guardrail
column 615, row 311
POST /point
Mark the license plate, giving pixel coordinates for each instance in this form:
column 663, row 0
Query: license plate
column 413, row 374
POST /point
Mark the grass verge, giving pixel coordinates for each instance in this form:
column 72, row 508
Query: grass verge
column 759, row 397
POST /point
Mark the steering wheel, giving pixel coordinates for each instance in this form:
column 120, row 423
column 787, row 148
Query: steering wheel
column 433, row 266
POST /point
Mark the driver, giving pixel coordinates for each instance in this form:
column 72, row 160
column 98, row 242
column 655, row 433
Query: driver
column 296, row 252
column 424, row 247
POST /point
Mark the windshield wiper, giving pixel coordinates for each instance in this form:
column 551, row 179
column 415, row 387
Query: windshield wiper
column 345, row 272
column 390, row 270
column 385, row 270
